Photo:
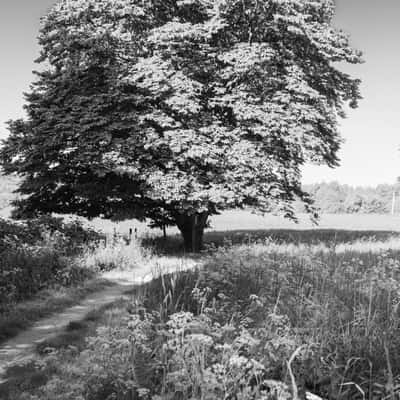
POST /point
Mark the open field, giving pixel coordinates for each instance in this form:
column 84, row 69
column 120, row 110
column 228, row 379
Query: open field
column 245, row 220
column 241, row 220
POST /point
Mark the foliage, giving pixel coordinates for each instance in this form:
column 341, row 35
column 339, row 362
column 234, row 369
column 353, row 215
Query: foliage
column 38, row 253
column 175, row 110
column 328, row 197
column 116, row 254
column 69, row 237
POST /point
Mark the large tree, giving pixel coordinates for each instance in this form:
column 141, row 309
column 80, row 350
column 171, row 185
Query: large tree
column 174, row 110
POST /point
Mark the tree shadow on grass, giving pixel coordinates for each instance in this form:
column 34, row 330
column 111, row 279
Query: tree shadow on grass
column 298, row 236
column 173, row 245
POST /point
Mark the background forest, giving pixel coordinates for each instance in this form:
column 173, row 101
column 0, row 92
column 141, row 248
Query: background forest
column 330, row 197
column 335, row 198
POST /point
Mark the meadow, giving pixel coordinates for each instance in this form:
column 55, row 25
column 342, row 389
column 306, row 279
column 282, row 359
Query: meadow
column 262, row 313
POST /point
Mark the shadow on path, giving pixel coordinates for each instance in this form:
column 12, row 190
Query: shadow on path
column 20, row 349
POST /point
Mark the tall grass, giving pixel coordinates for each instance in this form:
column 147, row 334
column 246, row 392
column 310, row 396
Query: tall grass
column 115, row 254
column 338, row 301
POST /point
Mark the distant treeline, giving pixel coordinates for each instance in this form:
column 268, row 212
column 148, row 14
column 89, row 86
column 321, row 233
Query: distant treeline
column 335, row 198
column 332, row 197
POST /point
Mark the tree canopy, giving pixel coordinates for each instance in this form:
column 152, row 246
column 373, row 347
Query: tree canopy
column 174, row 110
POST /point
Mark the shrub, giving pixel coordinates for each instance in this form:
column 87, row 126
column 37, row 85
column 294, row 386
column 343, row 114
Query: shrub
column 116, row 254
column 39, row 253
column 26, row 270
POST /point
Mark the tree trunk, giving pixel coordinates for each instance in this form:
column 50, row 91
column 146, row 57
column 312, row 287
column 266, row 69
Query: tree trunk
column 192, row 230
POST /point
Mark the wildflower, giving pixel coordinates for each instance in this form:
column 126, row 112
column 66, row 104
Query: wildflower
column 201, row 339
column 238, row 361
column 143, row 392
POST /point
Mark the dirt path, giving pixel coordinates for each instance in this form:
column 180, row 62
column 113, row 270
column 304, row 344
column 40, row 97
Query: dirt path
column 21, row 348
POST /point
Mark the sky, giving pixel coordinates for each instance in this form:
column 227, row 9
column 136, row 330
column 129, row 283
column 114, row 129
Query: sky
column 371, row 152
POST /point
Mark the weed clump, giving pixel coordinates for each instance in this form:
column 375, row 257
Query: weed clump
column 39, row 253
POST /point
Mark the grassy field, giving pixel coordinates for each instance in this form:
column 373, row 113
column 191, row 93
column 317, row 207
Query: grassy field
column 242, row 220
column 245, row 220
column 268, row 314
